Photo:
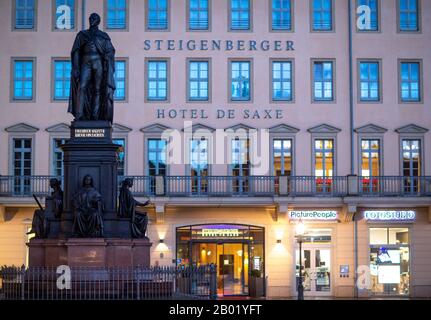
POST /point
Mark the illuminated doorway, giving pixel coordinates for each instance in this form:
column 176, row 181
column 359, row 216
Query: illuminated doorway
column 236, row 250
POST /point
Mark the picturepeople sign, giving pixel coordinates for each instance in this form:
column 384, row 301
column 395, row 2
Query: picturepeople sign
column 392, row 215
column 313, row 215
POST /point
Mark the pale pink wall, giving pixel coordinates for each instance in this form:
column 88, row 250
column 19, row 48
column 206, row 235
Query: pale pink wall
column 387, row 45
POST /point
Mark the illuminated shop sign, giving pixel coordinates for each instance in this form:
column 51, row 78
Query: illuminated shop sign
column 220, row 233
column 313, row 215
column 383, row 215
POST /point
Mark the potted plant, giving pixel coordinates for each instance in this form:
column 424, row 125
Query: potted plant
column 256, row 284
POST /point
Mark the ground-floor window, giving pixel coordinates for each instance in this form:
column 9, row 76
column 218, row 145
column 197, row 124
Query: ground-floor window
column 389, row 261
column 236, row 250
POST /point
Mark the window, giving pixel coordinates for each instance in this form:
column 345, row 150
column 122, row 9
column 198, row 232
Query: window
column 25, row 14
column 369, row 81
column 390, row 261
column 57, row 159
column 157, row 15
column 156, row 161
column 22, row 165
column 282, row 15
column 324, row 158
column 412, row 164
column 23, row 80
column 323, row 81
column 322, row 15
column 240, row 80
column 120, row 80
column 198, row 14
column 282, row 154
column 408, row 15
column 370, row 164
column 116, row 14
column 64, row 14
column 157, row 81
column 199, row 167
column 240, row 14
column 198, row 80
column 410, row 82
column 373, row 5
column 240, row 165
column 121, row 153
column 62, row 71
column 282, row 80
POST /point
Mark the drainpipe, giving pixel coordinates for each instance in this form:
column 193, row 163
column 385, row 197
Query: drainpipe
column 352, row 145
column 83, row 13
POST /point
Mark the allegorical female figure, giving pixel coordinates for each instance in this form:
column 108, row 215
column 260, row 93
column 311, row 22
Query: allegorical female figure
column 88, row 209
column 92, row 81
column 127, row 209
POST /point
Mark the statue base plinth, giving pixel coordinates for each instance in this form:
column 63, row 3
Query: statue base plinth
column 89, row 252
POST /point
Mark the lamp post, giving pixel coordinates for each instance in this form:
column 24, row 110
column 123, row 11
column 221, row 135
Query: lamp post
column 300, row 230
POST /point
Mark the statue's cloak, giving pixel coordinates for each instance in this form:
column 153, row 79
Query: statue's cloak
column 107, row 51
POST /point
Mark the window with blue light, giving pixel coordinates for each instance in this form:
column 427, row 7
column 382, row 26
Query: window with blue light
column 120, row 80
column 23, row 80
column 282, row 80
column 157, row 15
column 323, row 81
column 69, row 20
column 408, row 15
column 240, row 14
column 369, row 81
column 410, row 82
column 198, row 14
column 121, row 154
column 374, row 13
column 322, row 15
column 240, row 80
column 25, row 14
column 282, row 15
column 116, row 11
column 62, row 71
column 157, row 80
column 198, row 80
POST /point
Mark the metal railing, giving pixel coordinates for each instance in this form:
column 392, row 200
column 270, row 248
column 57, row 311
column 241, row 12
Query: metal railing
column 395, row 186
column 242, row 186
column 115, row 283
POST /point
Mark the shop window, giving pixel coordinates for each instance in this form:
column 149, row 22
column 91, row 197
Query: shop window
column 389, row 261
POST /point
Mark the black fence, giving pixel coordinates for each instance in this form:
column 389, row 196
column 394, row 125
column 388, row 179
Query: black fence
column 116, row 283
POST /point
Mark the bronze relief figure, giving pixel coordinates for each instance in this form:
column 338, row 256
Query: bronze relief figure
column 88, row 208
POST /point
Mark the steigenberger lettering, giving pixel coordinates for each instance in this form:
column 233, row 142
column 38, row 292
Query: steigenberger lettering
column 219, row 45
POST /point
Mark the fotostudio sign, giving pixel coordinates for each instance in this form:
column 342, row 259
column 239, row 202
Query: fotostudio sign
column 389, row 215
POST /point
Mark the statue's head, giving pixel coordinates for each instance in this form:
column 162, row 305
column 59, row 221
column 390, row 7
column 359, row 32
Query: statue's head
column 87, row 181
column 94, row 20
column 128, row 183
column 54, row 183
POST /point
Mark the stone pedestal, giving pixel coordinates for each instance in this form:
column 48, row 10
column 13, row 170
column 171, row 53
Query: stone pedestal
column 75, row 252
column 91, row 152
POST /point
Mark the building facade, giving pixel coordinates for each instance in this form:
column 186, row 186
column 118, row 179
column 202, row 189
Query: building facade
column 240, row 119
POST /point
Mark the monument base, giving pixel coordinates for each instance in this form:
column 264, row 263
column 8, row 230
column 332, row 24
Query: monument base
column 88, row 252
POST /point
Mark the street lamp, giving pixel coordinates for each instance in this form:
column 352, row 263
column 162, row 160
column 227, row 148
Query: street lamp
column 300, row 231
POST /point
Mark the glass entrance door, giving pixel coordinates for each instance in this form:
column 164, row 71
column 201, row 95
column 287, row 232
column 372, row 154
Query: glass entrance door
column 232, row 260
column 316, row 270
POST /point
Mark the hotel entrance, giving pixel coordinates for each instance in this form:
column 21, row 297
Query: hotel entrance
column 316, row 263
column 236, row 250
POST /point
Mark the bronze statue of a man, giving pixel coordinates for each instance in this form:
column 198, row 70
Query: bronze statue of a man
column 88, row 208
column 92, row 80
column 127, row 209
